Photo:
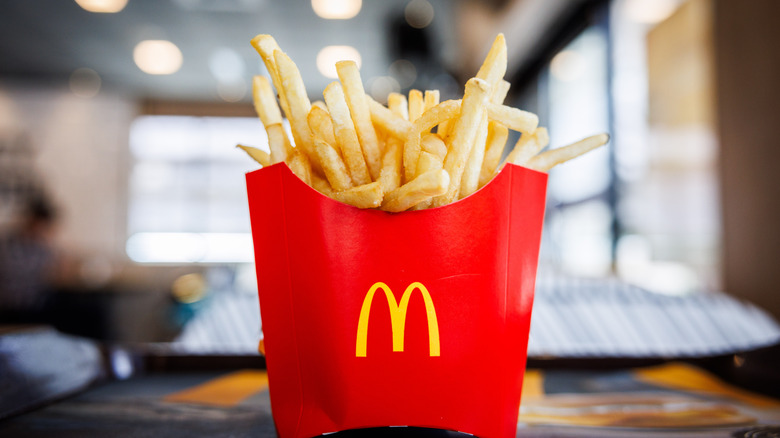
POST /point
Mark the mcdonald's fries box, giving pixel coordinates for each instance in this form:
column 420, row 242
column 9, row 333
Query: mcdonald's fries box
column 376, row 319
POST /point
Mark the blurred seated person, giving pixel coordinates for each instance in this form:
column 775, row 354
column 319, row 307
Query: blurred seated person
column 27, row 264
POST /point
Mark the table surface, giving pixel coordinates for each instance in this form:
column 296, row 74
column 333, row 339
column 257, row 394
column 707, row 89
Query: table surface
column 138, row 408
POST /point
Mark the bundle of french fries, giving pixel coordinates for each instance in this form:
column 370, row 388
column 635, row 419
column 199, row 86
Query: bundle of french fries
column 360, row 152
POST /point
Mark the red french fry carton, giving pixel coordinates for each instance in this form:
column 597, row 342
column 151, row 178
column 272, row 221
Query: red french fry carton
column 376, row 319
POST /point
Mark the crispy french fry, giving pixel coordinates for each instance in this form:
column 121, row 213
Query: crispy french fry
column 390, row 176
column 320, row 104
column 297, row 99
column 345, row 133
column 416, row 104
column 463, row 135
column 300, row 166
column 321, row 125
column 265, row 101
column 429, row 161
column 496, row 142
column 334, row 168
column 433, row 144
column 500, row 91
column 358, row 151
column 268, row 110
column 444, row 129
column 266, row 46
column 494, row 66
column 321, row 185
column 527, row 146
column 431, row 99
column 396, row 102
column 392, row 162
column 349, row 75
column 258, row 155
column 385, row 119
column 443, row 111
column 470, row 181
column 278, row 143
column 423, row 187
column 513, row 118
column 363, row 196
column 547, row 160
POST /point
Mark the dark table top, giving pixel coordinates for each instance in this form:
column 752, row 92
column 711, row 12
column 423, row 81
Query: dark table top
column 137, row 408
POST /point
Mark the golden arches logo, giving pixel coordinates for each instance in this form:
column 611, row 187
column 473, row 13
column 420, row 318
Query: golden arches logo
column 397, row 318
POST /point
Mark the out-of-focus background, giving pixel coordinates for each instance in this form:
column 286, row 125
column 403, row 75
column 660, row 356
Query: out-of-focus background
column 118, row 121
column 126, row 258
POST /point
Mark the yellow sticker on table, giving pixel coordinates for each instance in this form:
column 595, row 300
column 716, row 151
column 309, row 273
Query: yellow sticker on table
column 225, row 391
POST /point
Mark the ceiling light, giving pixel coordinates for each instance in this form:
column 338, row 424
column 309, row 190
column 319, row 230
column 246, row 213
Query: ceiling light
column 336, row 9
column 102, row 6
column 157, row 57
column 330, row 55
column 418, row 13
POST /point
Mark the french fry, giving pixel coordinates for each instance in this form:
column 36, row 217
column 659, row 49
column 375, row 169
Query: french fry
column 390, row 176
column 393, row 124
column 266, row 107
column 300, row 166
column 496, row 142
column 494, row 66
column 396, row 102
column 265, row 101
column 363, row 196
column 444, row 129
column 547, row 160
column 349, row 75
column 470, row 181
column 416, row 104
column 297, row 100
column 513, row 118
column 433, row 144
column 423, row 187
column 392, row 162
column 500, row 91
column 431, row 99
column 358, row 151
column 333, row 167
column 258, row 155
column 320, row 104
column 321, row 125
column 321, row 185
column 527, row 146
column 463, row 136
column 429, row 161
column 266, row 46
column 345, row 133
column 278, row 143
column 443, row 111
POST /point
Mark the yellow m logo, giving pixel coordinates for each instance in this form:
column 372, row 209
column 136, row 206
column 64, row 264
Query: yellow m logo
column 397, row 318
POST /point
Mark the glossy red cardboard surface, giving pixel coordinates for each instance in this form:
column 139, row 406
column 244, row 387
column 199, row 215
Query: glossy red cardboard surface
column 396, row 319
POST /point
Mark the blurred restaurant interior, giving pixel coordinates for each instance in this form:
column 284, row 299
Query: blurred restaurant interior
column 118, row 166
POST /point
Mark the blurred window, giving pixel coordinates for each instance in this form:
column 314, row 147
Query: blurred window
column 187, row 189
column 579, row 217
column 646, row 208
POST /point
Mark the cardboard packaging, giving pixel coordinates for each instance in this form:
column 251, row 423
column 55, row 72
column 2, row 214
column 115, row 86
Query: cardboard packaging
column 378, row 319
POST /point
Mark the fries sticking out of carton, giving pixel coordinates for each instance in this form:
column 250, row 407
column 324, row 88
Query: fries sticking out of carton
column 413, row 154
